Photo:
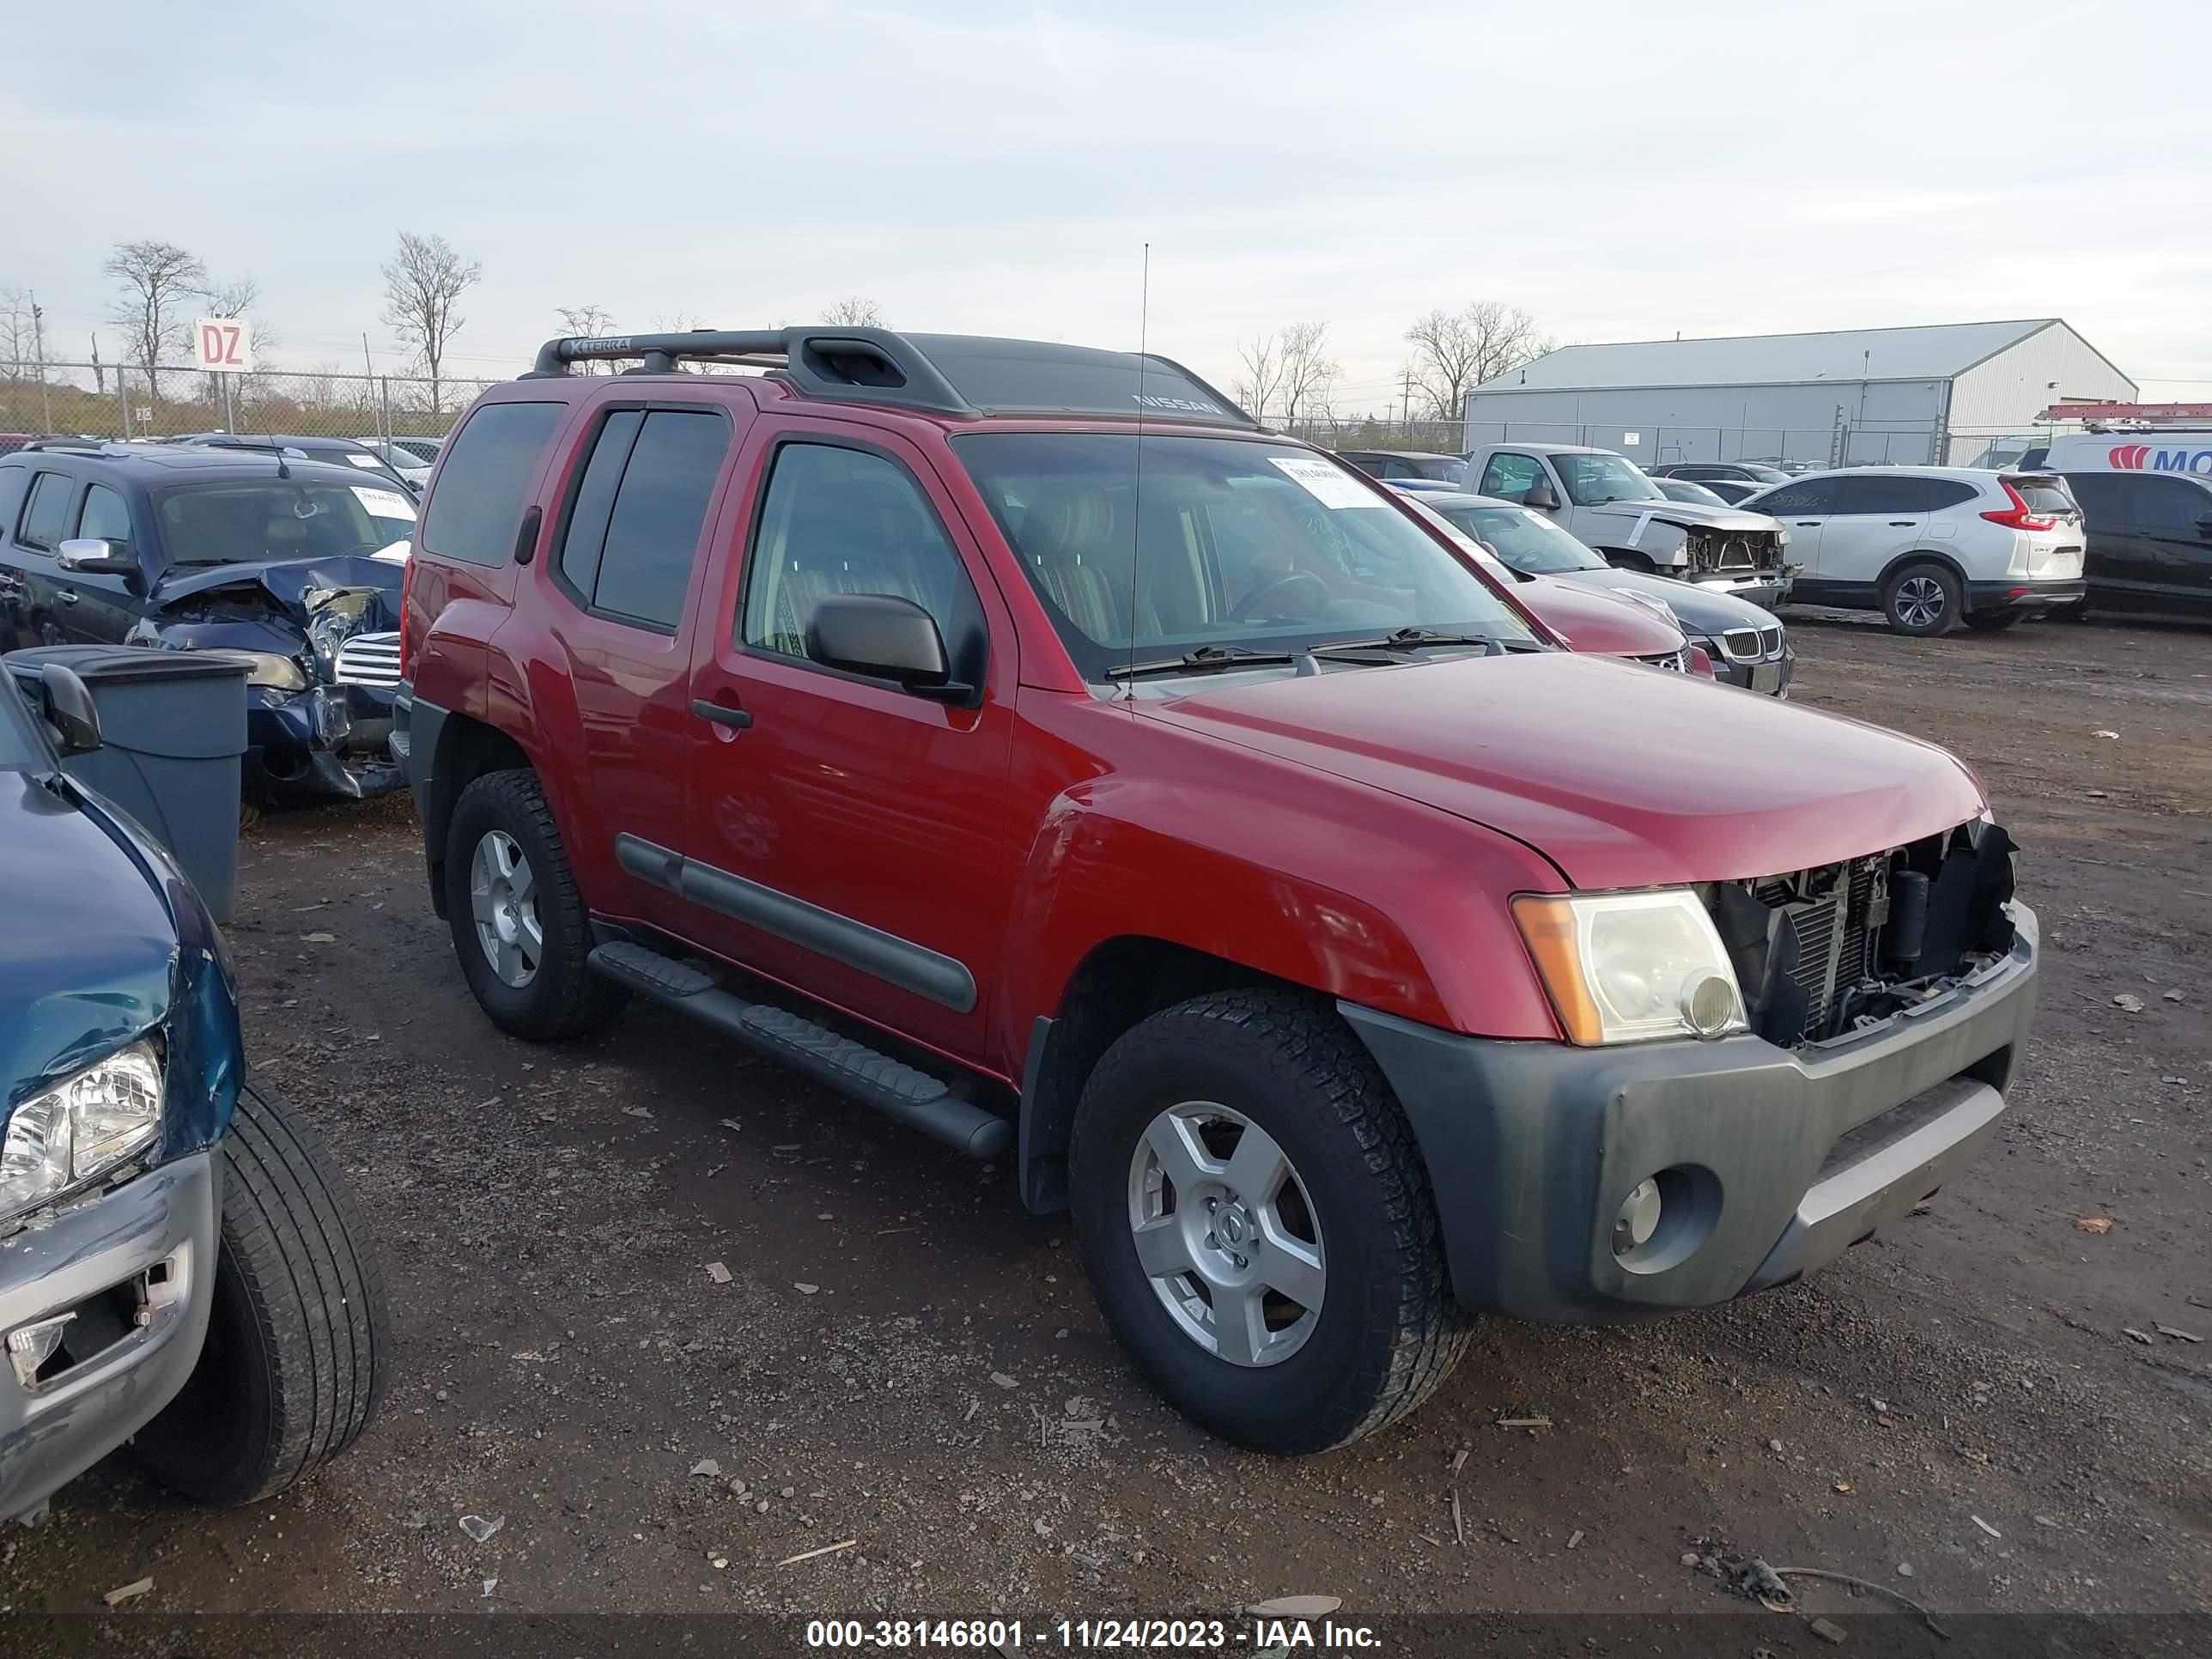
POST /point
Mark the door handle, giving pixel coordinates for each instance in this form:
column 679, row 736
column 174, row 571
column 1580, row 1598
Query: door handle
column 1900, row 524
column 66, row 595
column 720, row 715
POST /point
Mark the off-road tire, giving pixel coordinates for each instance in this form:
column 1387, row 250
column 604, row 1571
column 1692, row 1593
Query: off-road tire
column 1895, row 595
column 565, row 999
column 1389, row 1330
column 299, row 1340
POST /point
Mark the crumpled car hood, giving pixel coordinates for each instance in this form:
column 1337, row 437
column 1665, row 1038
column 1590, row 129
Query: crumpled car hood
column 1687, row 515
column 291, row 582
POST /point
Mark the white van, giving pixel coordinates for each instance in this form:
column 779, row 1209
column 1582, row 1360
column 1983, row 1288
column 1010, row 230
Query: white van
column 2180, row 450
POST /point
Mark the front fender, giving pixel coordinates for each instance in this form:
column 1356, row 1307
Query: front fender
column 1322, row 894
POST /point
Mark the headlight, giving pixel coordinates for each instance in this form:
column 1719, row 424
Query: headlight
column 66, row 1135
column 275, row 669
column 1625, row 967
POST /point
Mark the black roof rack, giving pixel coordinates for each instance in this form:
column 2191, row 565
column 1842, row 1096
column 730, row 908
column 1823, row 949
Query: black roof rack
column 942, row 374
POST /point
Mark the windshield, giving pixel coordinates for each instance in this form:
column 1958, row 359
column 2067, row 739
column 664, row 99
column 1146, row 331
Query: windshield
column 1763, row 473
column 280, row 518
column 1238, row 544
column 1528, row 542
column 1594, row 480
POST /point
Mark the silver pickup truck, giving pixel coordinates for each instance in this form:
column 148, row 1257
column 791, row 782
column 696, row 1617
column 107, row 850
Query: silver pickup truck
column 1605, row 501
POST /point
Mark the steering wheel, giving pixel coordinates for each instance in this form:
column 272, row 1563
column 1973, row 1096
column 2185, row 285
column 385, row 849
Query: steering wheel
column 1251, row 602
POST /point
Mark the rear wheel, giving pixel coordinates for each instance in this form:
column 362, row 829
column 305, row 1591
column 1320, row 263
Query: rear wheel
column 1637, row 562
column 1257, row 1223
column 520, row 929
column 1923, row 600
column 299, row 1339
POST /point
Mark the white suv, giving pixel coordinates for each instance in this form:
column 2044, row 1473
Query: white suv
column 1931, row 546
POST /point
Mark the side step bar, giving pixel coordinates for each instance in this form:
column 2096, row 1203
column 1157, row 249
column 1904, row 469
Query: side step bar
column 898, row 1090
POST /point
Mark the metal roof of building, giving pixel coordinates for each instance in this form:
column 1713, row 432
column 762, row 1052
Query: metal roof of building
column 1935, row 352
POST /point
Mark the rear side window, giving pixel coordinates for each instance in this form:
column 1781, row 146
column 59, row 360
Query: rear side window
column 632, row 529
column 14, row 484
column 1876, row 492
column 45, row 520
column 1807, row 498
column 478, row 501
column 2103, row 496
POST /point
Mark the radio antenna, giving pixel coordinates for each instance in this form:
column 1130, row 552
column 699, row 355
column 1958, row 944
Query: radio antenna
column 1137, row 482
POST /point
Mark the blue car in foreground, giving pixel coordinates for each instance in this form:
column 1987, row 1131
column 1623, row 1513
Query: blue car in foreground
column 179, row 1260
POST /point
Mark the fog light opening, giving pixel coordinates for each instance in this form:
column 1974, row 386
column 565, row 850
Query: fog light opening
column 1665, row 1218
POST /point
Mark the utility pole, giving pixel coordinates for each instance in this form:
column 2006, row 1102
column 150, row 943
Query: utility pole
column 99, row 373
column 1405, row 386
column 39, row 351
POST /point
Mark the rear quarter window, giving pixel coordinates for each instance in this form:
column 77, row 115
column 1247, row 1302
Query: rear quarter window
column 478, row 501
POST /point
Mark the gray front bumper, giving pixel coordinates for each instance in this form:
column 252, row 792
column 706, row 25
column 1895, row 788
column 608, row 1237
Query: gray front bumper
column 166, row 1220
column 1779, row 1159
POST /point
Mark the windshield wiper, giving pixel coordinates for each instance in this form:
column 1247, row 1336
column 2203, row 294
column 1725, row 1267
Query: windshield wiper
column 1417, row 639
column 1205, row 658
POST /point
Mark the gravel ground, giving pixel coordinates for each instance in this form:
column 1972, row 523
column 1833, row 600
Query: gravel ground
column 903, row 1359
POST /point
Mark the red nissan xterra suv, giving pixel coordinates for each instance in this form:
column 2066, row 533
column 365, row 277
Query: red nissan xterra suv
column 1018, row 739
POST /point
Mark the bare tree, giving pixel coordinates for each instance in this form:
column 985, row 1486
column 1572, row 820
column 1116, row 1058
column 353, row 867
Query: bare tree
column 1309, row 372
column 154, row 283
column 856, row 312
column 678, row 322
column 587, row 323
column 18, row 332
column 1261, row 381
column 1456, row 351
column 423, row 283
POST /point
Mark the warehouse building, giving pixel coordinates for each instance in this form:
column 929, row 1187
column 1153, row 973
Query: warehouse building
column 1939, row 394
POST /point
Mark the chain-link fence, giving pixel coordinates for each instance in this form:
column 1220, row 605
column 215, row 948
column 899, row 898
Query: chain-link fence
column 1846, row 443
column 102, row 400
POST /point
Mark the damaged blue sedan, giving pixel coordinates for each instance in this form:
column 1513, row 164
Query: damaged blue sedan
column 179, row 1263
column 296, row 563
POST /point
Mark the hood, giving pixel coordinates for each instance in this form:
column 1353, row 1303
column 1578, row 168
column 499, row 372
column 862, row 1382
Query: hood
column 1687, row 515
column 87, row 957
column 1703, row 610
column 1604, row 623
column 291, row 582
column 1559, row 750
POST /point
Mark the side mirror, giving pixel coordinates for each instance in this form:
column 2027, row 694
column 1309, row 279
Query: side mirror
column 69, row 710
column 886, row 637
column 1542, row 496
column 94, row 556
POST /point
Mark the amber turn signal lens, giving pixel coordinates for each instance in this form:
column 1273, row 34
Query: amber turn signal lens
column 1548, row 924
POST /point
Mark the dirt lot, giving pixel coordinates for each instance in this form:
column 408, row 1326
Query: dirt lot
column 903, row 1358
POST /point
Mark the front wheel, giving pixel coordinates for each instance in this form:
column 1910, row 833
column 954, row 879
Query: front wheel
column 298, row 1342
column 1923, row 600
column 1257, row 1224
column 1636, row 562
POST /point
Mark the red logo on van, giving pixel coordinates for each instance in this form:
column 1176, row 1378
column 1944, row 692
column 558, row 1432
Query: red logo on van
column 2129, row 458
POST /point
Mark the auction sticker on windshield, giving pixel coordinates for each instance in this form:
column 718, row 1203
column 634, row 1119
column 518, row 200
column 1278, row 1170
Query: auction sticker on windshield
column 384, row 503
column 1324, row 482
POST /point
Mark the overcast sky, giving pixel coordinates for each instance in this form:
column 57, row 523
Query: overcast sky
column 1622, row 172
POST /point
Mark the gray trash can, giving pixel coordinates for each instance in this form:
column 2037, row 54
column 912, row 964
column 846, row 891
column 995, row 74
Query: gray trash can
column 171, row 729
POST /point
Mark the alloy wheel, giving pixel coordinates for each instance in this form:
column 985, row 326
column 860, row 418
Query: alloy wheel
column 1920, row 601
column 1225, row 1233
column 503, row 899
